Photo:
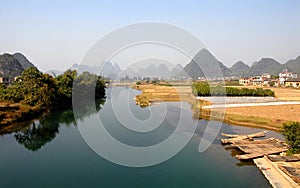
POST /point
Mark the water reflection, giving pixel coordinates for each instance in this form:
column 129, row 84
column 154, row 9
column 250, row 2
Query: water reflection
column 34, row 135
column 38, row 134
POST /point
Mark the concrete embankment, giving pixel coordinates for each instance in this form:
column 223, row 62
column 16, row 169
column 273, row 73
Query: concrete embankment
column 276, row 177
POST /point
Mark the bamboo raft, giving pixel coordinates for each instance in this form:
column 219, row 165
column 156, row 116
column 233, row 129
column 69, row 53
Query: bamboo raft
column 234, row 137
column 255, row 148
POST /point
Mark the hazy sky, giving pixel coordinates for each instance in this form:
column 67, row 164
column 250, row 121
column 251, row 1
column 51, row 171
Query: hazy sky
column 55, row 34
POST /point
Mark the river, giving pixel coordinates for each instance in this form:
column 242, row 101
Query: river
column 51, row 152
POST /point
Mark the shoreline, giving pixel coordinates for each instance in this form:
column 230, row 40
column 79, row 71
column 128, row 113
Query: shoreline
column 269, row 116
column 245, row 121
column 202, row 109
column 151, row 94
column 17, row 113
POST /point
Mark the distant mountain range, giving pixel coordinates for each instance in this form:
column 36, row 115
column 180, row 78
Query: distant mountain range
column 106, row 69
column 160, row 70
column 206, row 61
column 113, row 71
column 269, row 65
column 13, row 65
column 203, row 62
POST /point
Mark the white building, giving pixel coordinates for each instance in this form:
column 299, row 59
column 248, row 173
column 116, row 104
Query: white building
column 283, row 76
column 257, row 80
column 266, row 76
column 245, row 81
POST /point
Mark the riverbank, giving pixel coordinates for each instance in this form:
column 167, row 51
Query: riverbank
column 265, row 116
column 157, row 93
column 261, row 115
column 17, row 112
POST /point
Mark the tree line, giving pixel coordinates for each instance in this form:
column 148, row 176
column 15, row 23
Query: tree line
column 204, row 89
column 47, row 93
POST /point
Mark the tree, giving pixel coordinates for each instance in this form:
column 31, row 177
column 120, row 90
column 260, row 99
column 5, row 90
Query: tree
column 35, row 89
column 40, row 90
column 291, row 132
column 85, row 84
column 65, row 86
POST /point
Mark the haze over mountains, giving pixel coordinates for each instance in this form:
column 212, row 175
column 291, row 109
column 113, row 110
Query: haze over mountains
column 204, row 61
column 106, row 69
column 151, row 68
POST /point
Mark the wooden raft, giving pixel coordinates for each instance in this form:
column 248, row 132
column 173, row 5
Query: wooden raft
column 234, row 137
column 254, row 148
column 259, row 148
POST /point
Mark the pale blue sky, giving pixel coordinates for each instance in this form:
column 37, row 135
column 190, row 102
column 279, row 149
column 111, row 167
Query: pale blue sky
column 55, row 34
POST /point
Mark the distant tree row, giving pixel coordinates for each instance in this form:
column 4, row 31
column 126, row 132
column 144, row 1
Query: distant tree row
column 203, row 89
column 34, row 88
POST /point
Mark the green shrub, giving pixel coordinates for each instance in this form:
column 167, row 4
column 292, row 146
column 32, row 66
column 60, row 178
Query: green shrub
column 291, row 132
column 203, row 89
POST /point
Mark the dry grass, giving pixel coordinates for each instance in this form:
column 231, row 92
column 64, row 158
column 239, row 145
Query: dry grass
column 10, row 113
column 276, row 113
column 271, row 117
column 157, row 93
column 287, row 94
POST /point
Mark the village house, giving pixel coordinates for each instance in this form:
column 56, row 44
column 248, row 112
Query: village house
column 266, row 76
column 264, row 79
column 283, row 76
column 7, row 80
column 257, row 80
column 292, row 82
column 245, row 81
column 4, row 80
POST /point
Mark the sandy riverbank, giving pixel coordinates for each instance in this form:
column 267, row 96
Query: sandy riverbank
column 269, row 117
column 157, row 93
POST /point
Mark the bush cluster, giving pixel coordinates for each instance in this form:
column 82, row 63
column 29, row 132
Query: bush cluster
column 203, row 89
